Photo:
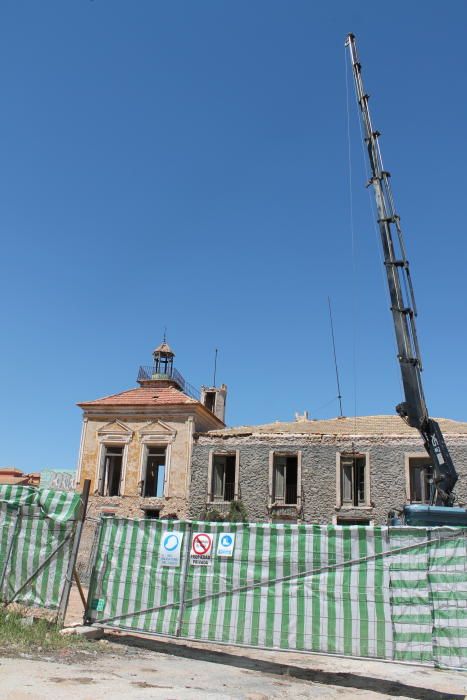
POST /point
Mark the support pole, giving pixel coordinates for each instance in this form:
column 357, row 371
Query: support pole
column 74, row 553
column 185, row 569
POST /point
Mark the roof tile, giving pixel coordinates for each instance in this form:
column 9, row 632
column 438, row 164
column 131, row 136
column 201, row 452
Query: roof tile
column 144, row 396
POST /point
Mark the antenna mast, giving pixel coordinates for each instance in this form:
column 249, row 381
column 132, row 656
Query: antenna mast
column 215, row 367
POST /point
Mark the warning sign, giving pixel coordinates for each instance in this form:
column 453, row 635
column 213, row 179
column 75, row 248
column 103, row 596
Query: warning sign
column 170, row 548
column 225, row 545
column 201, row 549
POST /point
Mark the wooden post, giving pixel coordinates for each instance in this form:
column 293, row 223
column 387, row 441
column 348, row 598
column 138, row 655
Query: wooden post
column 74, row 553
column 80, row 588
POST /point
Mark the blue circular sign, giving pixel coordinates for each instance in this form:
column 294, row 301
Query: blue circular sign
column 226, row 541
column 171, row 542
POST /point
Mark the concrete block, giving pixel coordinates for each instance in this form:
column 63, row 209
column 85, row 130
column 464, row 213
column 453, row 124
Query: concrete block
column 86, row 631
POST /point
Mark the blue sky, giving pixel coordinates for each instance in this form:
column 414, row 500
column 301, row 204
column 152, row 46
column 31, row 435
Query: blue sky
column 186, row 164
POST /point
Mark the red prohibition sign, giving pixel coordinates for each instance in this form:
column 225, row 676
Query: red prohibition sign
column 202, row 543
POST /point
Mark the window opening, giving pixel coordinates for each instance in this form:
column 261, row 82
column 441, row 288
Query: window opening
column 155, row 472
column 419, row 470
column 353, row 480
column 210, row 400
column 353, row 521
column 110, row 481
column 285, row 479
column 223, row 477
column 152, row 514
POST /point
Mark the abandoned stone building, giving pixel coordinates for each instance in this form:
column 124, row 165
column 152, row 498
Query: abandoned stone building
column 136, row 445
column 342, row 471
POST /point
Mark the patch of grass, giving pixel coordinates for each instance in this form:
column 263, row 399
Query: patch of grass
column 16, row 635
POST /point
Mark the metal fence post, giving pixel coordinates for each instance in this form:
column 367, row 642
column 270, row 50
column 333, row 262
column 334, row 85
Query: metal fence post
column 181, row 610
column 74, row 553
column 93, row 585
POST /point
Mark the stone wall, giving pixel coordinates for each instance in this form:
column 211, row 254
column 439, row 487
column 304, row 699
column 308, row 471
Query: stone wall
column 319, row 489
column 131, row 506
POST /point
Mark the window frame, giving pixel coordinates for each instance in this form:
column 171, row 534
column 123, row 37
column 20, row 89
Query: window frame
column 146, row 446
column 340, row 504
column 210, row 490
column 108, row 436
column 408, row 456
column 272, row 503
column 100, row 478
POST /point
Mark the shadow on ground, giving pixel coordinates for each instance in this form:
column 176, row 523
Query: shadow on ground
column 344, row 680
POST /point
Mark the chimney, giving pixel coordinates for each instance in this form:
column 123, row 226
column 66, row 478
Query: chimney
column 301, row 418
column 214, row 398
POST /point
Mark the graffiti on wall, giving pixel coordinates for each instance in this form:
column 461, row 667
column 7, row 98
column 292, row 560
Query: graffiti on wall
column 60, row 479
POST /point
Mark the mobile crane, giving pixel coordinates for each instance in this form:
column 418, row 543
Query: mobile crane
column 442, row 474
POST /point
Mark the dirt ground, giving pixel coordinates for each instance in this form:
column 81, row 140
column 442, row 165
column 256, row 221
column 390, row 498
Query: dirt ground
column 146, row 676
column 133, row 667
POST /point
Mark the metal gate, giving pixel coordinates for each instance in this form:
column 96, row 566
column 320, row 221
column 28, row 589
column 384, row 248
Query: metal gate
column 397, row 593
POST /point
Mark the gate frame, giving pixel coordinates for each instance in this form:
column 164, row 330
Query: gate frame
column 250, row 586
column 427, row 541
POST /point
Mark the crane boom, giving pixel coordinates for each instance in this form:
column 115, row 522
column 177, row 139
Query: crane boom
column 404, row 311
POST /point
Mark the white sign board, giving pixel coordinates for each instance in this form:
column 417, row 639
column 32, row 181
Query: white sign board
column 226, row 544
column 201, row 549
column 170, row 548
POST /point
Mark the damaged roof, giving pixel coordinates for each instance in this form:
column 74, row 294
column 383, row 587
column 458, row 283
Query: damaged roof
column 360, row 425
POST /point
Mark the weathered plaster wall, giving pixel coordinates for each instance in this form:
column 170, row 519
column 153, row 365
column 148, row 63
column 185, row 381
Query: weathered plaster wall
column 178, row 458
column 128, row 504
column 319, row 490
column 166, row 425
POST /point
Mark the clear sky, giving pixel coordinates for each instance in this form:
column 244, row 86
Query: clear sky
column 186, row 164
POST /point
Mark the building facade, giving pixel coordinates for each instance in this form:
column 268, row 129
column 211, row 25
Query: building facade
column 342, row 471
column 136, row 445
column 15, row 477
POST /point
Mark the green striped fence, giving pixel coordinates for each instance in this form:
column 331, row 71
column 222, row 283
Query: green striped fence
column 301, row 587
column 37, row 527
column 398, row 593
column 428, row 571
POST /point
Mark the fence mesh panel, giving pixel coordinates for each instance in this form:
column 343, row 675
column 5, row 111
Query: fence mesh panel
column 293, row 587
column 265, row 595
column 37, row 527
column 128, row 579
column 397, row 593
column 429, row 595
column 8, row 517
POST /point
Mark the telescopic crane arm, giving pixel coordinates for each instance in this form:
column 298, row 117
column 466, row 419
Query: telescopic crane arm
column 413, row 410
